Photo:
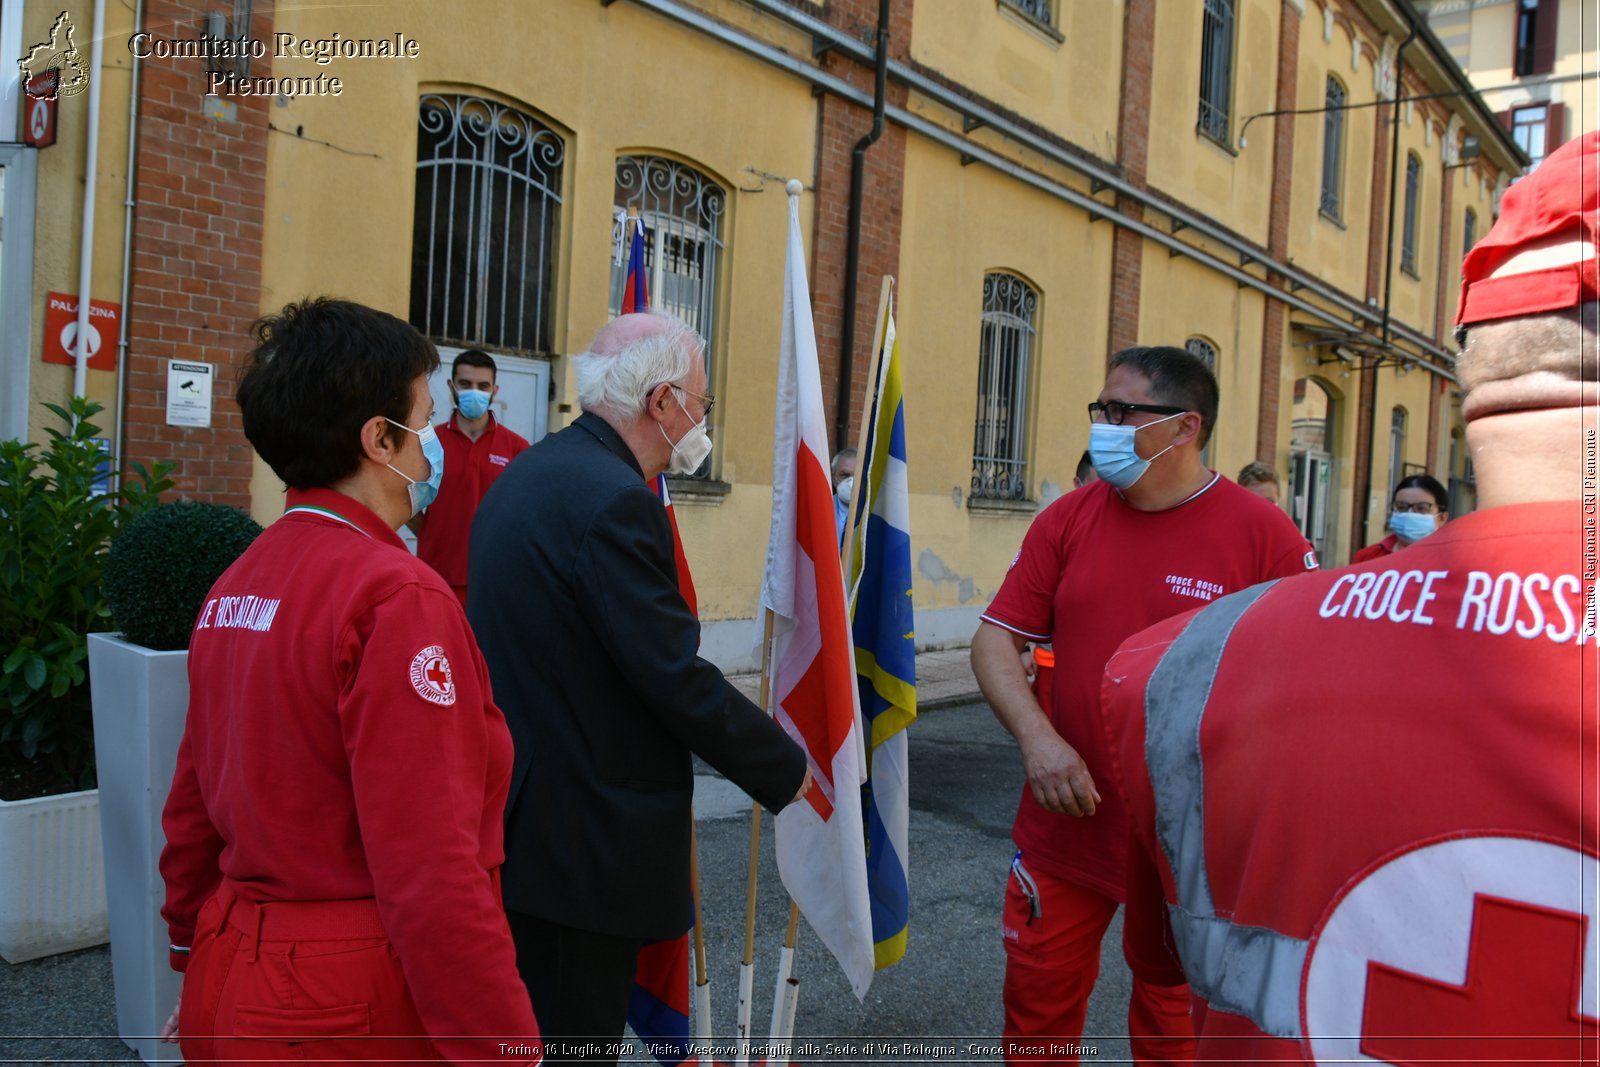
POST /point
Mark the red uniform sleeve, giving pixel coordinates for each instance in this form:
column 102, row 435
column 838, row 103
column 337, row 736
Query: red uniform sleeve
column 1289, row 551
column 1027, row 597
column 189, row 860
column 419, row 726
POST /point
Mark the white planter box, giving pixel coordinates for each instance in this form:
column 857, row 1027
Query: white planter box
column 52, row 880
column 140, row 698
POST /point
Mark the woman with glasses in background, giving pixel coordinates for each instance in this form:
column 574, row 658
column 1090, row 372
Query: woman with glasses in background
column 1419, row 507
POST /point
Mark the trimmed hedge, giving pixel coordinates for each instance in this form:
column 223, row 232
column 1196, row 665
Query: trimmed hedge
column 162, row 565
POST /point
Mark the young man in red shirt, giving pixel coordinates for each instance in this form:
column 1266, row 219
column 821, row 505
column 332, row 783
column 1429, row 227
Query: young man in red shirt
column 476, row 449
column 1156, row 536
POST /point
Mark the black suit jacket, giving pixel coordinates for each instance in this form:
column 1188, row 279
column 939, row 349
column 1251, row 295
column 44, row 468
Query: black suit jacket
column 593, row 655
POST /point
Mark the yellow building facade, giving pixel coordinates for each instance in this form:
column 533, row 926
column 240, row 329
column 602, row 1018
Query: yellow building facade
column 1055, row 181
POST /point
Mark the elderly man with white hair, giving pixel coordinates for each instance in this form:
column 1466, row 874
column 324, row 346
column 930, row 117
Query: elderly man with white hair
column 593, row 655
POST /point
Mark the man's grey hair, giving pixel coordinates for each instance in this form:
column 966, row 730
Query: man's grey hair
column 838, row 461
column 618, row 371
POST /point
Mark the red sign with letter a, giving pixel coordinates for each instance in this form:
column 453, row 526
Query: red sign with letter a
column 39, row 109
column 61, row 331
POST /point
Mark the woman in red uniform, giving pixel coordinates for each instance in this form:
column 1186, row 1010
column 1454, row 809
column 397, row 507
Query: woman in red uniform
column 1419, row 507
column 334, row 831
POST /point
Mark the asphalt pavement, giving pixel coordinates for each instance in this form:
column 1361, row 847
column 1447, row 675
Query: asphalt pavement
column 940, row 1003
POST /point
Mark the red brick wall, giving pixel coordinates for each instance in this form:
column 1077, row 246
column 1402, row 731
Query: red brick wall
column 1445, row 277
column 1275, row 321
column 1133, row 150
column 840, row 124
column 196, row 256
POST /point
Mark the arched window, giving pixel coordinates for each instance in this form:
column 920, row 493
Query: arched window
column 681, row 210
column 1207, row 352
column 1469, row 234
column 1216, row 70
column 999, row 464
column 1333, row 149
column 1408, row 241
column 483, row 234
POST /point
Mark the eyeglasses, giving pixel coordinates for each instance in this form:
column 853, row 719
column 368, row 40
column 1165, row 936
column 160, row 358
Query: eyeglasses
column 707, row 400
column 1415, row 509
column 1115, row 410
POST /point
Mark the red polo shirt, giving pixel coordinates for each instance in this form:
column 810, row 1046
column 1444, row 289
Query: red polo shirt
column 470, row 467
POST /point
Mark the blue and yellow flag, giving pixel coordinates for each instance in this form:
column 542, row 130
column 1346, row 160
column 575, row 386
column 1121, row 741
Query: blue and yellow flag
column 884, row 632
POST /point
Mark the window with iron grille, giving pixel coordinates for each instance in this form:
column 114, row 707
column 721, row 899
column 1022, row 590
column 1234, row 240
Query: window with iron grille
column 488, row 200
column 1199, row 346
column 1333, row 149
column 1470, row 233
column 1216, row 70
column 1040, row 11
column 1408, row 241
column 681, row 210
column 999, row 462
column 1397, row 447
column 1207, row 352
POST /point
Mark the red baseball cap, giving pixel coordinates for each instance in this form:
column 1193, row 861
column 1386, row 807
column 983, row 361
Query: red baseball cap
column 1557, row 204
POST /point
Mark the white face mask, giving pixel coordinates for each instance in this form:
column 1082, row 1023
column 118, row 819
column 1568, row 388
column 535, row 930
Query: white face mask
column 844, row 489
column 690, row 450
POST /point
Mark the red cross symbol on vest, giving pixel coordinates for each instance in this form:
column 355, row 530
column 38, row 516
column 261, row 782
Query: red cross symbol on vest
column 1472, row 949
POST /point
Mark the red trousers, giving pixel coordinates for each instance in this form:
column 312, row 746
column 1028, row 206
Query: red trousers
column 296, row 981
column 1052, row 931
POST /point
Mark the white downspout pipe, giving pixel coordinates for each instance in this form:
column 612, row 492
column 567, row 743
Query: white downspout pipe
column 80, row 370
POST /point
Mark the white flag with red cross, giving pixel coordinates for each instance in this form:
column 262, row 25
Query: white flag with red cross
column 819, row 841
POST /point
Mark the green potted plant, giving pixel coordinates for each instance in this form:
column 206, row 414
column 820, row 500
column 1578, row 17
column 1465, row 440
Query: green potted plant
column 160, row 567
column 58, row 512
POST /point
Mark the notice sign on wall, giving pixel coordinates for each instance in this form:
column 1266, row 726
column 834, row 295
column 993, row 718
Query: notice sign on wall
column 61, row 331
column 189, row 393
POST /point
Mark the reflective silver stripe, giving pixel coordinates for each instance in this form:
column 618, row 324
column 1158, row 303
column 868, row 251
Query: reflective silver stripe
column 1248, row 970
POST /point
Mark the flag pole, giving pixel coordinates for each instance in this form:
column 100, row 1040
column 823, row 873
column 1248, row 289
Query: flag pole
column 702, row 984
column 747, row 967
column 787, row 993
column 870, row 398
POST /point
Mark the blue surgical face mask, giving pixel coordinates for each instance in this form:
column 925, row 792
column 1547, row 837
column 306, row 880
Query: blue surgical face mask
column 1412, row 526
column 423, row 492
column 472, row 403
column 1113, row 455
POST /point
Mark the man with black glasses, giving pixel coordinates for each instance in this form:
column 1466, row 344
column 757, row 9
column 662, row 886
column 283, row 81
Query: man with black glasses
column 1159, row 534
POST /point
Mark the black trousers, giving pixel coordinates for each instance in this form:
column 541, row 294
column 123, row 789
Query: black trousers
column 580, row 983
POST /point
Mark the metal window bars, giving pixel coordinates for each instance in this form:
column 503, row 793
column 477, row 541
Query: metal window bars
column 1408, row 240
column 1333, row 148
column 483, row 245
column 1216, row 70
column 1199, row 346
column 1041, row 11
column 999, row 463
column 681, row 210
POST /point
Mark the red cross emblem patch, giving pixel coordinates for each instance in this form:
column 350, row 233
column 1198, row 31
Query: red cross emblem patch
column 431, row 678
column 1469, row 949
